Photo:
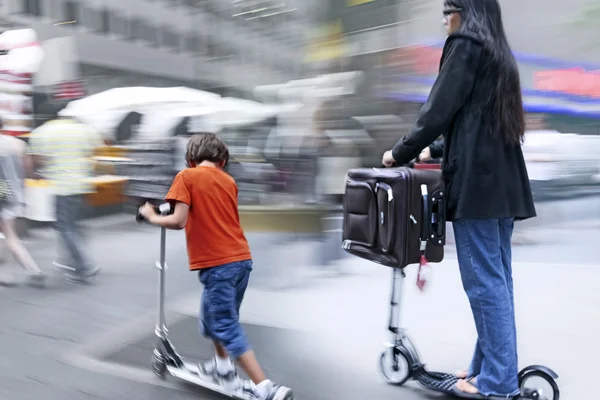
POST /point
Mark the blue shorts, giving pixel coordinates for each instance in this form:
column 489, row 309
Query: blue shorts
column 224, row 288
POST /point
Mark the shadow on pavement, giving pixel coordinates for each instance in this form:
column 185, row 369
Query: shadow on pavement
column 288, row 356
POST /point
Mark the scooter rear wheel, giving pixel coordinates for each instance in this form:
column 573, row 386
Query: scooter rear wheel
column 394, row 366
column 538, row 385
column 159, row 367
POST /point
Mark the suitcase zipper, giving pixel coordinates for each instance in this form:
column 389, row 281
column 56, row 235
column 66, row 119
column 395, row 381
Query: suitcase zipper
column 406, row 226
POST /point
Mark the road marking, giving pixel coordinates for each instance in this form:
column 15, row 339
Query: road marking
column 87, row 355
column 123, row 371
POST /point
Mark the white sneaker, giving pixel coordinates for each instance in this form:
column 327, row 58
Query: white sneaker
column 275, row 392
column 230, row 380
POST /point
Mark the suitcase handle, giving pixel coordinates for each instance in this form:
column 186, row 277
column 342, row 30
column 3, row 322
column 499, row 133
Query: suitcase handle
column 426, row 217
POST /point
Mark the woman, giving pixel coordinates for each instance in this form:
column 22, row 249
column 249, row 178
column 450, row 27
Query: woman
column 13, row 164
column 476, row 103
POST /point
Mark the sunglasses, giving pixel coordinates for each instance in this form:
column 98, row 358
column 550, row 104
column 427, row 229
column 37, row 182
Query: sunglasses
column 449, row 11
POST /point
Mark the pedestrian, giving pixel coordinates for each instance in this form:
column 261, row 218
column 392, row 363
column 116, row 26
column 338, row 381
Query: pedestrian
column 476, row 100
column 14, row 166
column 62, row 148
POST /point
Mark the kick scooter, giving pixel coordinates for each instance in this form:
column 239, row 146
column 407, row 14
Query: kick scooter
column 400, row 361
column 165, row 357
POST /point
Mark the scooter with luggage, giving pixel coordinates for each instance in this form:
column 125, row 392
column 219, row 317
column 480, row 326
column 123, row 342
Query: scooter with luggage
column 396, row 217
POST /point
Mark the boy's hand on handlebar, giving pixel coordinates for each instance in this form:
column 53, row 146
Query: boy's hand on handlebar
column 147, row 211
column 388, row 159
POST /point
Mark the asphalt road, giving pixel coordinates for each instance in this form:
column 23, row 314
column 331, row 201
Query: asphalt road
column 318, row 329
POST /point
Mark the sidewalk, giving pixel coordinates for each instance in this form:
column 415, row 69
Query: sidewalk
column 318, row 329
column 302, row 335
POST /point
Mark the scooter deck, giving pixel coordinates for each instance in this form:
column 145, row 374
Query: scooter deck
column 436, row 381
column 190, row 373
column 445, row 383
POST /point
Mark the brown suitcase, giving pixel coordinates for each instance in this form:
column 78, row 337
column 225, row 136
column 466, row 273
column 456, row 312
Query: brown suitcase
column 394, row 215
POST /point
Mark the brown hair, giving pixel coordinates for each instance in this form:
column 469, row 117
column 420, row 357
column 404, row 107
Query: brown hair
column 206, row 146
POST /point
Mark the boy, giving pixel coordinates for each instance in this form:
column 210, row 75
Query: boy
column 205, row 199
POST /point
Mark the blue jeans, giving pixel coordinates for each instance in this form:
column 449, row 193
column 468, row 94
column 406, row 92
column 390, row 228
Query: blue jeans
column 484, row 258
column 67, row 210
column 224, row 289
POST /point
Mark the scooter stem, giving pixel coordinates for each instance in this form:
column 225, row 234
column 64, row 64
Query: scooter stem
column 161, row 328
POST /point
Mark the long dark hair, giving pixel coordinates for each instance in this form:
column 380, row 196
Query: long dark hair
column 483, row 19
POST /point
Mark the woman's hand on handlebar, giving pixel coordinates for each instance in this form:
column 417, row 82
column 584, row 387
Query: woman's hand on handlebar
column 388, row 159
column 425, row 155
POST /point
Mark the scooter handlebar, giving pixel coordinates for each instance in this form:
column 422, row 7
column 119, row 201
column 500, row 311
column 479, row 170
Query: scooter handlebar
column 162, row 209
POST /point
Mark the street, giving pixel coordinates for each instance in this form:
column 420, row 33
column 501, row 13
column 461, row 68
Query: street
column 318, row 329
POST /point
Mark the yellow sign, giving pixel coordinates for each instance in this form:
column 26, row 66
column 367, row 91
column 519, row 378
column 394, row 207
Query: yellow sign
column 329, row 45
column 352, row 3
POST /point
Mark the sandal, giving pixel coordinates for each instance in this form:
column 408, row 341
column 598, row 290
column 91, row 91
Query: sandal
column 462, row 374
column 465, row 395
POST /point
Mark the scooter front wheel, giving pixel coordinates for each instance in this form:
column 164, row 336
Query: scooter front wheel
column 159, row 367
column 394, row 366
column 538, row 385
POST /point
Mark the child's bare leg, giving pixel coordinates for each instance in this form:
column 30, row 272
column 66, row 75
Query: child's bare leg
column 265, row 389
column 220, row 350
column 222, row 361
column 225, row 296
column 249, row 363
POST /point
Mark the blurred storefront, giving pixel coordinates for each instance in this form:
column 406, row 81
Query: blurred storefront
column 567, row 93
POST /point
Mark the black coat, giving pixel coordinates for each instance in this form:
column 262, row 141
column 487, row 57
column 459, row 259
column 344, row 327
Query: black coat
column 485, row 177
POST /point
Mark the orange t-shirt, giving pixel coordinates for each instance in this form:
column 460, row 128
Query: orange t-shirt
column 213, row 232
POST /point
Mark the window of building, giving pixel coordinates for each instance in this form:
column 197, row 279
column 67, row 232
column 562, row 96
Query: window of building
column 104, row 22
column 193, row 43
column 51, row 10
column 170, row 39
column 32, row 7
column 216, row 50
column 134, row 29
column 86, row 17
column 119, row 25
column 196, row 5
column 71, row 10
column 210, row 48
column 156, row 36
column 148, row 33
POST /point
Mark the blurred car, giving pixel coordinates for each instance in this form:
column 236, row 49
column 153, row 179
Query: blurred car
column 253, row 174
column 562, row 165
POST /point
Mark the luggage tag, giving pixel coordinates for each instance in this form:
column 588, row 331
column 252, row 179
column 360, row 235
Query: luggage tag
column 424, row 274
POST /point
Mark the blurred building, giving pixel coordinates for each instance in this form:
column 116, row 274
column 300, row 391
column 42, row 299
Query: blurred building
column 222, row 45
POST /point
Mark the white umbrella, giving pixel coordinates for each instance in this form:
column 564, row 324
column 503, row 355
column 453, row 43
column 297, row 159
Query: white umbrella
column 138, row 99
column 161, row 123
column 233, row 112
column 104, row 111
